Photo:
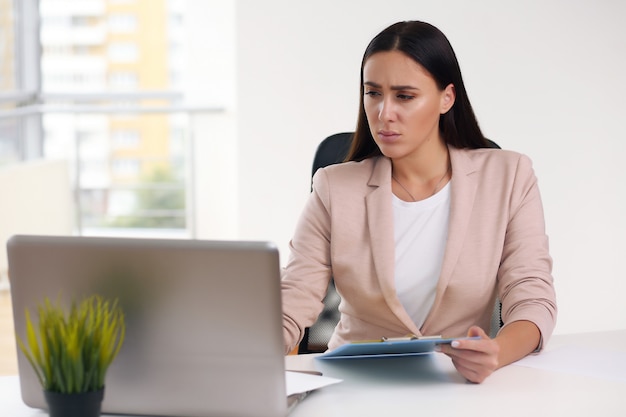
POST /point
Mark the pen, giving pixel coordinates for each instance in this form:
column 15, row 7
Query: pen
column 399, row 339
column 306, row 372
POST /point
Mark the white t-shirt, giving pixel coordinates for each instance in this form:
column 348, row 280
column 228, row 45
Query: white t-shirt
column 421, row 231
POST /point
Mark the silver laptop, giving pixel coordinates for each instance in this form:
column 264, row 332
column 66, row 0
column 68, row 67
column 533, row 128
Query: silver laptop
column 204, row 327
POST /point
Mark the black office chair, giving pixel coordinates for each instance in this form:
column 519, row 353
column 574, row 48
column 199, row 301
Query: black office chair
column 333, row 150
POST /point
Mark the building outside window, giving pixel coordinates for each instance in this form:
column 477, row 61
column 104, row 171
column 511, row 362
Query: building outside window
column 102, row 95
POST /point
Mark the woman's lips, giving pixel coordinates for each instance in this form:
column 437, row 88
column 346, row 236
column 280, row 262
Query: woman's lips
column 387, row 136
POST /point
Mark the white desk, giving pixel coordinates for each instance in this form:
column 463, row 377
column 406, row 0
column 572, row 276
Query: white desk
column 429, row 386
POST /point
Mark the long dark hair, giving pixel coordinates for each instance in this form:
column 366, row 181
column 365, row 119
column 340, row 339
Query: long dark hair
column 430, row 48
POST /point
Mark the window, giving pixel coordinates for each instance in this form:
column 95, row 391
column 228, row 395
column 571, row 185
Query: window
column 51, row 21
column 125, row 167
column 86, row 86
column 123, row 52
column 80, row 21
column 58, row 51
column 123, row 80
column 125, row 139
column 122, row 23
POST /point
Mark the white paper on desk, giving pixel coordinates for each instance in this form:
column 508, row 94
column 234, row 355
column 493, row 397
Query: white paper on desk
column 578, row 360
column 298, row 382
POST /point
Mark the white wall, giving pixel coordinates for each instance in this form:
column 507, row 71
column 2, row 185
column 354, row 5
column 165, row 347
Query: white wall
column 35, row 198
column 210, row 81
column 545, row 78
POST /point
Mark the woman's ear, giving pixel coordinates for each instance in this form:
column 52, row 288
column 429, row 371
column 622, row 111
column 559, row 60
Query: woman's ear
column 448, row 95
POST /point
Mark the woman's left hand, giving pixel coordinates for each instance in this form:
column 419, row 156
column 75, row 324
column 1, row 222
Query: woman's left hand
column 474, row 359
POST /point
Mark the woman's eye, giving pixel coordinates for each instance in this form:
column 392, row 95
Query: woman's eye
column 372, row 93
column 405, row 97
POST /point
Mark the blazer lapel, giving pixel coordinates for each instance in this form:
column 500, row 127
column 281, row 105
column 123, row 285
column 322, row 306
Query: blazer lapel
column 463, row 191
column 381, row 229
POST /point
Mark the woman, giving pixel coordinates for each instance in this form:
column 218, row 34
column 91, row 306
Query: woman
column 423, row 227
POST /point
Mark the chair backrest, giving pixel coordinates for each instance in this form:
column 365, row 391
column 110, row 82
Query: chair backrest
column 333, row 150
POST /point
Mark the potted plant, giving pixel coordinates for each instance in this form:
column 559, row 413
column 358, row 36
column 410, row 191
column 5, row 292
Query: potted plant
column 70, row 353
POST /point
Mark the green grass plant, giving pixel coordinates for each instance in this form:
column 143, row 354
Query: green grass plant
column 71, row 353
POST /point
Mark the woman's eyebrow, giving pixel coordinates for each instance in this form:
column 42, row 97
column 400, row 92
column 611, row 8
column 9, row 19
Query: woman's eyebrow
column 393, row 87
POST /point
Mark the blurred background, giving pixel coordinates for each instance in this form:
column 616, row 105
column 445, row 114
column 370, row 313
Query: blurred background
column 198, row 119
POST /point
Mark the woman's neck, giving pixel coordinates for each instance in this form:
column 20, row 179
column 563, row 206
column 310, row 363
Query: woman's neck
column 420, row 176
column 424, row 165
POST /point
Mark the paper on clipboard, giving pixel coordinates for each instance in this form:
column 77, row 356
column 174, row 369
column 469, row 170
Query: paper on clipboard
column 389, row 347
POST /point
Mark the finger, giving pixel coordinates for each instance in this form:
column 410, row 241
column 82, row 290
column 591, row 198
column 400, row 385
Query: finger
column 478, row 345
column 461, row 349
column 470, row 373
column 477, row 331
column 483, row 357
column 467, row 357
column 475, row 368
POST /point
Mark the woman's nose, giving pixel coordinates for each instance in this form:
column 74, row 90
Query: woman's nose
column 386, row 111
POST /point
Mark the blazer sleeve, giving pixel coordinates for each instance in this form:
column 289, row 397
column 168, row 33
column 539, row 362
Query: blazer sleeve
column 525, row 274
column 307, row 274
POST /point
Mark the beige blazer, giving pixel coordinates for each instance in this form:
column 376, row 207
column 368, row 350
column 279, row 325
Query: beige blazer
column 496, row 246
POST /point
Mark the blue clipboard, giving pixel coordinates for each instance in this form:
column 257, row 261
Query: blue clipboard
column 389, row 347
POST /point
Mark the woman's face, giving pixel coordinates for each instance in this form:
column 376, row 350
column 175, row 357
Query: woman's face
column 402, row 104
